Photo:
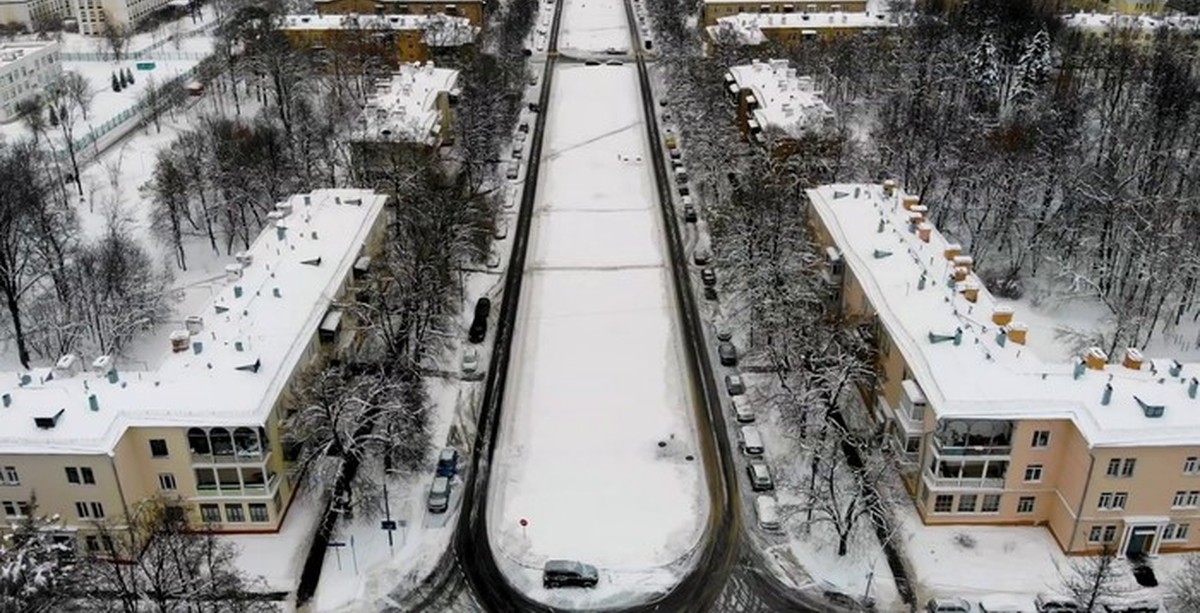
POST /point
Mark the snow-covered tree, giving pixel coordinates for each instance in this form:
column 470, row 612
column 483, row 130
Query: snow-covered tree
column 35, row 569
column 1184, row 586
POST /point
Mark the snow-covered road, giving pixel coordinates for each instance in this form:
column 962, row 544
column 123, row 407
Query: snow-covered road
column 597, row 444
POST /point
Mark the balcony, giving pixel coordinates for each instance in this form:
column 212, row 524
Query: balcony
column 962, row 484
column 218, row 490
column 965, row 474
column 973, row 437
column 243, row 457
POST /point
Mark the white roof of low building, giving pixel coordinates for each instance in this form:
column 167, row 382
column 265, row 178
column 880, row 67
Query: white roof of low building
column 441, row 30
column 1102, row 21
column 979, row 377
column 748, row 27
column 12, row 52
column 786, row 100
column 255, row 332
column 404, row 108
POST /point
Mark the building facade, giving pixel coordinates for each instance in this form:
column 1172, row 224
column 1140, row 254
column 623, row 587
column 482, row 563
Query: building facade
column 472, row 10
column 716, row 9
column 790, row 29
column 92, row 15
column 203, row 430
column 410, row 113
column 1102, row 454
column 26, row 70
column 396, row 39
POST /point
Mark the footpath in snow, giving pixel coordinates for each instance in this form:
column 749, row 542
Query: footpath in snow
column 596, row 447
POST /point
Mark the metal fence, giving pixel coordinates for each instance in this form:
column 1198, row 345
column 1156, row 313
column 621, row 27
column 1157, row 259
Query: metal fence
column 104, row 56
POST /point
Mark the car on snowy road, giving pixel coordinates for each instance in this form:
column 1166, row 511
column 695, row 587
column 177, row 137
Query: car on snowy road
column 708, row 277
column 568, row 573
column 439, row 495
column 447, row 464
column 727, row 353
column 760, row 477
column 742, row 411
column 734, row 385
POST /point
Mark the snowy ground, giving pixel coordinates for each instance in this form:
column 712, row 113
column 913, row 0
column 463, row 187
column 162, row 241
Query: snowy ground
column 595, row 26
column 1027, row 558
column 277, row 559
column 600, row 381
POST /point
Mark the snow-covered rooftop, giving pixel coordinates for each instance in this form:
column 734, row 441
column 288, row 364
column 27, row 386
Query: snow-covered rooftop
column 252, row 334
column 440, row 30
column 404, row 108
column 748, row 28
column 14, row 51
column 785, row 100
column 909, row 283
column 1101, row 21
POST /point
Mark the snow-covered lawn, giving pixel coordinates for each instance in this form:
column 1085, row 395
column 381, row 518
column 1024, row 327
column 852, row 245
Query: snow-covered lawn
column 594, row 26
column 973, row 561
column 598, row 381
column 278, row 558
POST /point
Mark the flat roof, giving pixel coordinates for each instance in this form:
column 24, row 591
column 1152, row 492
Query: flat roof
column 786, row 101
column 12, row 52
column 404, row 107
column 254, row 331
column 1102, row 21
column 458, row 26
column 979, row 377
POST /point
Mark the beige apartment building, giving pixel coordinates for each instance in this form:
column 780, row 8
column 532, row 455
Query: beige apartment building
column 92, row 439
column 1101, row 452
column 716, row 9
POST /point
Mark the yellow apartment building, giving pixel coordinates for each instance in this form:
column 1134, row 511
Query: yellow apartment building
column 1100, row 453
column 92, row 439
column 716, row 9
column 409, row 113
column 771, row 96
column 789, row 29
column 473, row 10
column 396, row 39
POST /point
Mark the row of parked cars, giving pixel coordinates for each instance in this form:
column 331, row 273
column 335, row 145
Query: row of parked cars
column 1043, row 603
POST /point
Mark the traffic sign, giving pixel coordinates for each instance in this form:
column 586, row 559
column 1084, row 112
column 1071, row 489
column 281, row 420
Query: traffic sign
column 387, row 524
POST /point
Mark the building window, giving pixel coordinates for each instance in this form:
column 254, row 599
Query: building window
column 16, row 508
column 158, row 448
column 210, row 513
column 82, row 475
column 1041, row 438
column 943, row 503
column 92, row 542
column 1121, row 468
column 1112, row 501
column 1191, row 465
column 258, row 512
column 1114, row 467
column 1102, row 534
column 1127, row 467
column 991, row 503
column 1175, row 532
column 166, row 481
column 966, row 503
column 89, row 510
column 1185, row 500
column 10, row 476
column 72, row 475
column 233, row 513
column 1025, row 504
column 1033, row 473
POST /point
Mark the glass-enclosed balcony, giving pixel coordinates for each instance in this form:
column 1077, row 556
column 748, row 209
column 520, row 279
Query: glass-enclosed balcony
column 224, row 446
column 962, row 473
column 235, row 481
column 973, row 437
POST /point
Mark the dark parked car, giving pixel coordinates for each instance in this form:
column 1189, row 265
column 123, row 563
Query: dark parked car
column 710, row 292
column 479, row 325
column 728, row 353
column 760, row 477
column 447, row 464
column 689, row 214
column 734, row 385
column 709, row 277
column 564, row 573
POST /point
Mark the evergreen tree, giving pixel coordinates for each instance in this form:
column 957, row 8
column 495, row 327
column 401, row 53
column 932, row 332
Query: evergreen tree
column 53, row 117
column 121, row 79
column 116, row 85
column 129, row 76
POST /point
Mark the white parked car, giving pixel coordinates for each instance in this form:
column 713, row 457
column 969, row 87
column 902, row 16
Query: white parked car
column 470, row 360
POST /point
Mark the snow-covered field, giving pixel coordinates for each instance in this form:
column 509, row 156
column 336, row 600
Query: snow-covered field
column 974, row 561
column 595, row 26
column 598, row 381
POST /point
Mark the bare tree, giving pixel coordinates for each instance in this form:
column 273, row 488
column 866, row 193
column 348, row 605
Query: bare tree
column 840, row 494
column 161, row 561
column 1185, row 585
column 64, row 96
column 115, row 35
column 1094, row 579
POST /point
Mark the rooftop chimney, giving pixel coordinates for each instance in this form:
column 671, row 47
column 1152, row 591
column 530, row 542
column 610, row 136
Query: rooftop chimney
column 1017, row 332
column 952, row 251
column 889, row 187
column 1002, row 315
column 964, row 261
column 924, row 231
column 67, row 366
column 1107, row 396
column 233, row 272
column 194, row 324
column 909, row 202
column 1133, row 359
column 102, row 365
column 179, row 341
column 1095, row 358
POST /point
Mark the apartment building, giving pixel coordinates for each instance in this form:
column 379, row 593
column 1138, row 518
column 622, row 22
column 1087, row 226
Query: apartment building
column 26, row 69
column 771, row 96
column 409, row 113
column 1142, row 29
column 1116, row 7
column 752, row 29
column 1102, row 454
column 93, row 439
column 716, row 9
column 91, row 15
column 394, row 38
column 28, row 13
column 472, row 10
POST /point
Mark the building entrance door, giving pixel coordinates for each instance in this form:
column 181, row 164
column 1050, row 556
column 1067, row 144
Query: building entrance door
column 1141, row 542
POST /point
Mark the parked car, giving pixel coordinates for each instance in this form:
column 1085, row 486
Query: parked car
column 701, row 255
column 724, row 334
column 1055, row 603
column 1003, row 603
column 708, row 277
column 728, row 353
column 1131, row 606
column 947, row 605
column 689, row 213
column 750, row 441
column 447, row 465
column 501, row 230
column 767, row 512
column 493, row 260
column 479, row 325
column 470, row 360
column 760, row 477
column 742, row 411
column 567, row 573
column 513, row 171
column 439, row 495
column 710, row 292
column 734, row 385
